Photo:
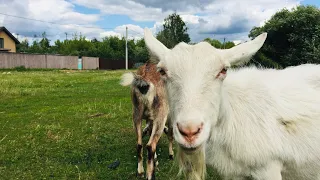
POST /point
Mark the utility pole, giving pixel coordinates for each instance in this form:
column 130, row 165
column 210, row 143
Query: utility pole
column 224, row 44
column 126, row 48
column 66, row 35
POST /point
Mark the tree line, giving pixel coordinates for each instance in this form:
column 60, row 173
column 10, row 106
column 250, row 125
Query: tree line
column 293, row 38
column 113, row 47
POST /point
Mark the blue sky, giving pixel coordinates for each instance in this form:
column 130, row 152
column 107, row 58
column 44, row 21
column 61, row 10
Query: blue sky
column 99, row 18
column 311, row 2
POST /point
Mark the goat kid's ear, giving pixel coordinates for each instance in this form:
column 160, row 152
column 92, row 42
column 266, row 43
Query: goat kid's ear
column 242, row 53
column 156, row 49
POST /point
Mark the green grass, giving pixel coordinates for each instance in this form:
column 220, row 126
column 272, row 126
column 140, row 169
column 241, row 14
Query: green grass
column 69, row 125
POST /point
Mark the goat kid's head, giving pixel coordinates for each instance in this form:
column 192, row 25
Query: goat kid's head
column 193, row 75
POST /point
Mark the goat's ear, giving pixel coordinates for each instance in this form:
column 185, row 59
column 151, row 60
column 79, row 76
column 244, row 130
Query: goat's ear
column 242, row 53
column 156, row 49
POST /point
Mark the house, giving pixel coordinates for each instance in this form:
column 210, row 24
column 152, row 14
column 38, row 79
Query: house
column 7, row 41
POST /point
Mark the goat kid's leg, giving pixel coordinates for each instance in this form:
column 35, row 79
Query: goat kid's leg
column 137, row 121
column 169, row 132
column 147, row 129
column 170, row 137
column 166, row 130
column 157, row 129
column 156, row 159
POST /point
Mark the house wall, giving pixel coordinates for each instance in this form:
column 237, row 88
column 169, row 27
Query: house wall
column 8, row 42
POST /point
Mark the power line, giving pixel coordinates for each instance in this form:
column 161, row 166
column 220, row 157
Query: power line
column 31, row 19
column 54, row 23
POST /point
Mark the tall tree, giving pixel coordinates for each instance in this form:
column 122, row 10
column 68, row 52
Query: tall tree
column 44, row 43
column 174, row 31
column 141, row 53
column 23, row 46
column 217, row 44
column 293, row 38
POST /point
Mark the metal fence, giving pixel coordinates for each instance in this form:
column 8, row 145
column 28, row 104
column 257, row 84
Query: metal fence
column 110, row 64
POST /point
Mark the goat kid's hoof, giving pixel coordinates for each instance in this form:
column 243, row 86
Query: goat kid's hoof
column 140, row 175
column 144, row 133
column 166, row 130
column 153, row 177
column 156, row 162
column 171, row 157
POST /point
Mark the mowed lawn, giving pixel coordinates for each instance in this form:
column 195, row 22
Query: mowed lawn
column 65, row 124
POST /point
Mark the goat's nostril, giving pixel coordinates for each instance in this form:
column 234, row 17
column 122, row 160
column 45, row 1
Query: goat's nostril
column 189, row 131
column 182, row 132
column 197, row 132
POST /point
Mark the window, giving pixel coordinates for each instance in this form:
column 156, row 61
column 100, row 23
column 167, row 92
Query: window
column 1, row 43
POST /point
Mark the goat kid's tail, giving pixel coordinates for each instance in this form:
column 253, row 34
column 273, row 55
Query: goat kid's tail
column 136, row 81
column 127, row 79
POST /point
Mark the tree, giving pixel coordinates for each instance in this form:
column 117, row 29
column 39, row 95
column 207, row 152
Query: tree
column 228, row 45
column 217, row 44
column 293, row 38
column 44, row 43
column 111, row 47
column 23, row 46
column 174, row 31
column 141, row 53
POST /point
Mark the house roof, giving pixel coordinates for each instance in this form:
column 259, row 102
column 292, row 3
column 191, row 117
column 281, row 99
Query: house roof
column 9, row 34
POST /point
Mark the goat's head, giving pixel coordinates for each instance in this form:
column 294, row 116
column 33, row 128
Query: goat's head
column 193, row 75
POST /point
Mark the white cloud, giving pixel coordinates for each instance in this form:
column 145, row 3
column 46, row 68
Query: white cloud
column 188, row 18
column 134, row 10
column 219, row 17
column 205, row 18
column 59, row 13
column 110, row 33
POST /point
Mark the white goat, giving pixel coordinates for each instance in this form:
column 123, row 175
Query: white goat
column 259, row 123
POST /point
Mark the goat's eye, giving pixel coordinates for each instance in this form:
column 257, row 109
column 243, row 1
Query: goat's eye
column 162, row 72
column 223, row 71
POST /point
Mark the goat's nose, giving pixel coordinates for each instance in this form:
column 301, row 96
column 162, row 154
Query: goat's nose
column 190, row 131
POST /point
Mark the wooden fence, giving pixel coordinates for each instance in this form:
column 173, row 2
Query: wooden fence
column 90, row 63
column 61, row 62
column 12, row 60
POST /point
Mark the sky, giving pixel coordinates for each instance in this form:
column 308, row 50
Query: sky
column 61, row 19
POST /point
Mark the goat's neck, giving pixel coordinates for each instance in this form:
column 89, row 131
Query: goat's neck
column 232, row 100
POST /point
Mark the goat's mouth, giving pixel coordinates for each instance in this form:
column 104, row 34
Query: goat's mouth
column 189, row 149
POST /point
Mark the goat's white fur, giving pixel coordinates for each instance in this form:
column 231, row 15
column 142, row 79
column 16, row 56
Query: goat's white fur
column 263, row 123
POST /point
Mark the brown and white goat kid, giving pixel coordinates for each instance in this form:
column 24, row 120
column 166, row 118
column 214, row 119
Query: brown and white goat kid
column 150, row 103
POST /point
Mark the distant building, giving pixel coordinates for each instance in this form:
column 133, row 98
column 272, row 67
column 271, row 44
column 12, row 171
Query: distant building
column 7, row 41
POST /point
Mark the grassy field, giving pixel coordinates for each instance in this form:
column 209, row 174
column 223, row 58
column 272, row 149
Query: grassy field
column 69, row 125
